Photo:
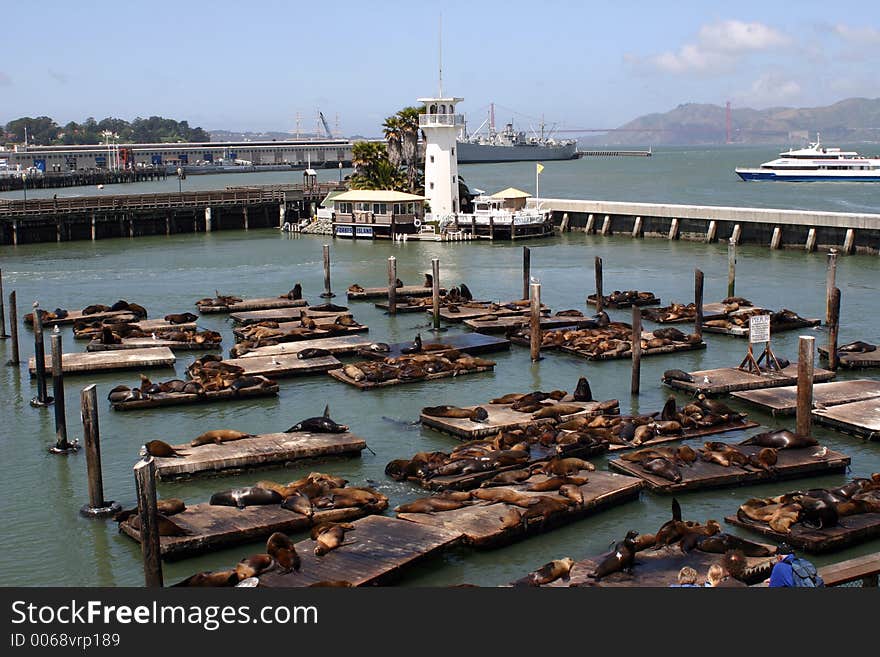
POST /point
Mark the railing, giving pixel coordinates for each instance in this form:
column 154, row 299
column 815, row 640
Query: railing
column 861, row 570
column 428, row 120
column 503, row 219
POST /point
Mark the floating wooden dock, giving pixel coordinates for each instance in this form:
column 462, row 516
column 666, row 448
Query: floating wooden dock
column 652, row 351
column 213, row 527
column 732, row 379
column 77, row 315
column 715, row 310
column 375, row 552
column 162, row 399
column 861, row 418
column 262, row 450
column 147, row 343
column 504, row 323
column 146, row 325
column 343, row 344
column 689, row 433
column 405, row 291
column 321, row 330
column 482, row 524
column 503, row 418
column 284, row 365
column 107, row 361
column 608, row 303
column 700, row 475
column 659, row 568
column 339, row 375
column 783, row 400
column 281, row 315
column 743, row 331
column 850, row 530
column 254, row 304
column 468, row 343
column 849, row 360
column 465, row 312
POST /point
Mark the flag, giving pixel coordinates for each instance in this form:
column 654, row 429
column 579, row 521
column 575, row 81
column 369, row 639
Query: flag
column 539, row 167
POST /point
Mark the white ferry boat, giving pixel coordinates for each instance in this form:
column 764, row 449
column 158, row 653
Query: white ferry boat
column 816, row 163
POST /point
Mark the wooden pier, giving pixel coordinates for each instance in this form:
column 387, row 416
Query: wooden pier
column 284, row 365
column 213, row 527
column 375, row 552
column 405, row 291
column 163, row 399
column 282, row 315
column 107, row 361
column 731, row 379
column 148, row 343
column 859, row 418
column 850, row 530
column 340, row 375
column 77, row 316
column 269, row 303
column 783, row 400
column 700, row 475
column 268, row 449
column 146, row 325
column 484, row 526
column 848, row 360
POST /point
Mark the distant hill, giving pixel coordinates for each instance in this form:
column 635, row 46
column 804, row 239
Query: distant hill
column 847, row 121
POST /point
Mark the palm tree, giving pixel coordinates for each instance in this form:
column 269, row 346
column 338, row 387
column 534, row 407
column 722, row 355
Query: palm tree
column 408, row 122
column 373, row 169
column 393, row 137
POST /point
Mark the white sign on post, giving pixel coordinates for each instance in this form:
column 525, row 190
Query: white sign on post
column 759, row 328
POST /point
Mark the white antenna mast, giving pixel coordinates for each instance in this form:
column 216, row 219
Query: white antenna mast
column 440, row 49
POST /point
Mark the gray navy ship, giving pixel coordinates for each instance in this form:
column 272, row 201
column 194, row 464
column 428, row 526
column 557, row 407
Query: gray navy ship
column 512, row 146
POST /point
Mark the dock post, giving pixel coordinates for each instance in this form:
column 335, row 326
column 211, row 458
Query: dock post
column 3, row 333
column 673, row 229
column 97, row 507
column 737, row 233
column 145, row 482
column 392, row 285
column 564, row 226
column 849, row 241
column 606, row 225
column 710, row 233
column 833, row 330
column 698, row 303
column 246, row 218
column 491, row 228
column 806, row 348
column 731, row 267
column 637, row 227
column 208, row 220
column 15, row 232
column 282, row 213
column 590, row 228
column 473, row 226
column 636, row 349
column 62, row 446
column 327, row 293
column 776, row 240
column 435, row 291
column 830, row 282
column 94, row 231
column 600, row 300
column 811, row 240
column 13, row 327
column 527, row 268
column 42, row 399
column 535, row 322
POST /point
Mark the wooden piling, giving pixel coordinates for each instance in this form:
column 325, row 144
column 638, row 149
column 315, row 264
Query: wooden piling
column 92, row 439
column 328, row 293
column 491, row 228
column 673, row 230
column 590, row 228
column 606, row 225
column 806, row 349
column 392, row 285
column 810, row 246
column 698, row 302
column 435, row 291
column 637, row 227
column 13, row 326
column 42, row 398
column 145, row 480
column 535, row 322
column 599, row 298
column 3, row 334
column 776, row 240
column 636, row 349
column 833, row 330
column 849, row 241
column 830, row 282
column 710, row 232
column 527, row 266
column 731, row 267
column 58, row 392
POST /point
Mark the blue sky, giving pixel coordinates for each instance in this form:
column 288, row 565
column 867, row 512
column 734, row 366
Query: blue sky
column 255, row 65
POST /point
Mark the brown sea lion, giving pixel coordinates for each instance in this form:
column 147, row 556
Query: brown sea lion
column 430, row 505
column 218, row 436
column 227, row 577
column 283, row 551
column 549, row 572
column 506, row 495
column 506, row 478
column 181, row 318
column 565, row 466
column 170, row 506
column 663, row 468
column 329, row 537
column 555, row 483
column 162, row 449
column 246, row 496
column 621, row 558
column 254, row 565
column 299, row 503
column 764, row 459
column 545, row 507
column 166, row 526
column 557, row 410
column 780, row 439
column 477, row 414
column 572, row 492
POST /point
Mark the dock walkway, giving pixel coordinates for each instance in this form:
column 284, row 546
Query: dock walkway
column 732, row 379
column 783, row 400
column 106, row 361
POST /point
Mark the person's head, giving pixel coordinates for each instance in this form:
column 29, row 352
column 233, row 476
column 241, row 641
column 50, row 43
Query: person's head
column 783, row 550
column 687, row 575
column 734, row 562
column 715, row 574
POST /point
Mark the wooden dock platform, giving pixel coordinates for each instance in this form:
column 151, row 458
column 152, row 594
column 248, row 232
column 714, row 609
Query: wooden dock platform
column 474, row 310
column 267, row 303
column 146, row 325
column 504, row 323
column 147, row 343
column 675, row 347
column 214, row 527
column 850, row 530
column 284, row 365
column 343, row 344
column 714, row 310
column 848, row 360
column 375, row 552
column 659, row 568
column 405, row 291
column 503, row 418
column 77, row 316
column 608, row 303
column 743, row 331
column 163, row 399
column 860, row 418
column 783, row 400
column 107, row 361
column 732, row 379
column 468, row 343
column 287, row 332
column 483, row 526
column 281, row 315
column 339, row 375
column 260, row 451
column 700, row 475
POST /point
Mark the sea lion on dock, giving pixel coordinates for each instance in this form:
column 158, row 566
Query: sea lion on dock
column 670, row 334
column 283, row 551
column 677, row 375
column 164, row 524
column 722, row 542
column 780, row 439
column 621, row 558
column 572, row 492
column 477, row 414
column 295, row 293
column 430, row 505
column 857, row 347
column 429, row 280
column 556, row 483
column 322, row 424
column 415, row 347
column 549, row 572
column 312, row 352
column 582, row 392
column 764, row 459
column 506, row 478
column 162, row 449
column 506, row 495
column 663, row 468
column 218, row 436
column 226, row 577
column 118, row 394
column 95, row 308
column 253, row 565
column 243, row 382
column 818, row 513
column 556, row 411
column 564, row 466
column 329, row 536
column 247, row 496
column 181, row 318
column 354, row 373
column 299, row 503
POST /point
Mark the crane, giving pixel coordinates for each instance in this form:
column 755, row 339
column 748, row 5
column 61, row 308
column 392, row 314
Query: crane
column 326, row 127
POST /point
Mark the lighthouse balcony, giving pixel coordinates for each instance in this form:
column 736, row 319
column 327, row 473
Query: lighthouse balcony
column 440, row 120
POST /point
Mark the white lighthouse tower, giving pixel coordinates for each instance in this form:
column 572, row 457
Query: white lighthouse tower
column 441, row 126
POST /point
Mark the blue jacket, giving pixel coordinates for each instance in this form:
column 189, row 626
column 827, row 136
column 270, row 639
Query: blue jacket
column 781, row 573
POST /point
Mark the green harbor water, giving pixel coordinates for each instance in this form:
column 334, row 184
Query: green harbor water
column 44, row 540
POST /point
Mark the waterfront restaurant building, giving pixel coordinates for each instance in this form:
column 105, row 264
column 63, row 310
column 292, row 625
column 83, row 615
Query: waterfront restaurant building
column 376, row 214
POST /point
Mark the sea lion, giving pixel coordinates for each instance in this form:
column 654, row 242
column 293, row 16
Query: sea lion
column 565, row 466
column 430, row 505
column 299, row 503
column 547, row 573
column 329, row 536
column 243, row 382
column 162, row 449
column 118, row 394
column 354, row 373
column 165, row 525
column 354, row 288
column 506, row 495
column 780, row 439
column 764, row 459
column 722, row 542
column 818, row 513
column 663, row 468
column 170, row 506
column 677, row 375
column 248, row 496
column 857, row 347
column 415, row 347
column 283, row 551
column 669, row 411
column 506, row 478
column 429, row 280
column 312, row 353
column 477, row 414
column 670, row 334
column 226, row 577
column 321, row 424
column 572, row 492
column 253, row 565
column 465, row 292
column 621, row 558
column 582, row 392
column 555, row 483
column 295, row 293
column 218, row 436
column 557, row 410
column 181, row 318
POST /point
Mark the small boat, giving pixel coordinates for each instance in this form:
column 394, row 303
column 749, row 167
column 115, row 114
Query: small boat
column 816, row 163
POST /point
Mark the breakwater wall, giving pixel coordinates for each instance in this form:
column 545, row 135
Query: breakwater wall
column 800, row 229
